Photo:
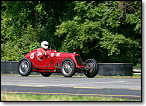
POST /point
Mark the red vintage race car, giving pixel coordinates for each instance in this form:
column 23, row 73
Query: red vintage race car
column 56, row 62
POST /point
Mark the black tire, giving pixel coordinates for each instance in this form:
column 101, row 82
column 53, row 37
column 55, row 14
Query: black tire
column 92, row 65
column 24, row 67
column 68, row 67
column 45, row 74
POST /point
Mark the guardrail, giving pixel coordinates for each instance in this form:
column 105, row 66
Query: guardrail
column 136, row 70
column 105, row 69
column 9, row 67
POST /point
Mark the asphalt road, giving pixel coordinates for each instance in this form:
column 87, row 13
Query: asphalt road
column 110, row 87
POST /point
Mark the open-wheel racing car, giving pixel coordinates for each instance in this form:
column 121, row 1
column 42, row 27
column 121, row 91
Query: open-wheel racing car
column 57, row 62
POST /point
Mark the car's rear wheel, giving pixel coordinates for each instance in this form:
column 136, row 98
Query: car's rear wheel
column 24, row 67
column 45, row 74
column 91, row 67
column 68, row 67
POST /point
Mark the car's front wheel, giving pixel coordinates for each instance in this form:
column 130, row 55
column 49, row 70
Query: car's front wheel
column 24, row 67
column 91, row 67
column 68, row 67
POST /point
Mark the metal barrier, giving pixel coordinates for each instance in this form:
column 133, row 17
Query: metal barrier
column 9, row 67
column 136, row 70
column 105, row 69
column 115, row 69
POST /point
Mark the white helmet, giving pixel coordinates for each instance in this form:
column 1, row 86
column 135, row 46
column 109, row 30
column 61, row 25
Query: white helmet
column 44, row 44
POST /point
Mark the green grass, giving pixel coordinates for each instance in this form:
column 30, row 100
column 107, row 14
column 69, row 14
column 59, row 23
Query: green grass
column 134, row 76
column 99, row 76
column 29, row 97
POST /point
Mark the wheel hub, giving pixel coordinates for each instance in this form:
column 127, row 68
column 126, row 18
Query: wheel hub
column 67, row 67
column 90, row 67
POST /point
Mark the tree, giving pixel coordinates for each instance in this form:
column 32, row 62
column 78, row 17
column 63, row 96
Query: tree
column 99, row 30
column 25, row 24
column 109, row 31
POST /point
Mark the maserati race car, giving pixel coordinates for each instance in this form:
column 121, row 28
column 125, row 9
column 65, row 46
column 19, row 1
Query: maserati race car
column 56, row 62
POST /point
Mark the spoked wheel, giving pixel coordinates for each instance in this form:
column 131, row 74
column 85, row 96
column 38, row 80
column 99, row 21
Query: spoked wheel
column 91, row 68
column 45, row 74
column 24, row 67
column 68, row 67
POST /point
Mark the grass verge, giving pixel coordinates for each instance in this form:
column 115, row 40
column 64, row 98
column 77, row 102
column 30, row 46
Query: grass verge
column 134, row 76
column 29, row 97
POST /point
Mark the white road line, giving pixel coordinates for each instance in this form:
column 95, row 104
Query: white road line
column 67, row 84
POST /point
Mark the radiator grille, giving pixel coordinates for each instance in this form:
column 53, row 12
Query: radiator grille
column 79, row 60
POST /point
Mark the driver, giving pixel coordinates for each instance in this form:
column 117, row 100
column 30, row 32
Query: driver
column 41, row 52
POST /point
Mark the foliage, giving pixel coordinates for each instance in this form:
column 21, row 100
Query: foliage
column 18, row 48
column 98, row 29
column 109, row 31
